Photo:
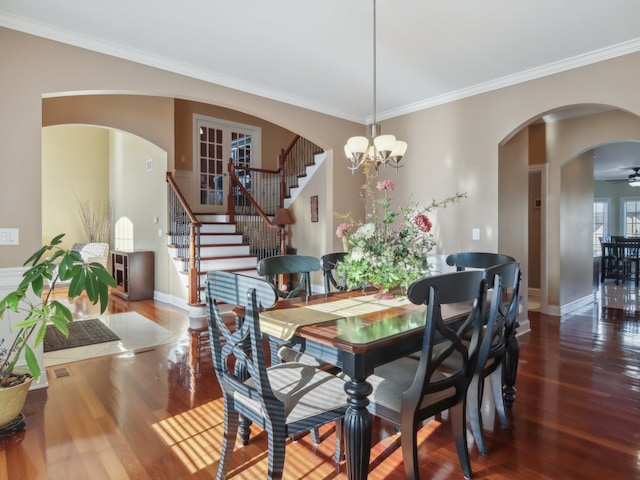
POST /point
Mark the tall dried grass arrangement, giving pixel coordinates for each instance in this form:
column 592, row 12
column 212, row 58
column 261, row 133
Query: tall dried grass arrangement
column 96, row 217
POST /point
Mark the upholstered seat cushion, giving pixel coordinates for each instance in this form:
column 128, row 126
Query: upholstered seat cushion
column 391, row 379
column 304, row 390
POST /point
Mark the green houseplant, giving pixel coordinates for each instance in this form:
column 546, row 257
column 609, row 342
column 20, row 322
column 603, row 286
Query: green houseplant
column 48, row 265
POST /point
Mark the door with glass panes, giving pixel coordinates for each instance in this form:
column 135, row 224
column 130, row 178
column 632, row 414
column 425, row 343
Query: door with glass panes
column 217, row 141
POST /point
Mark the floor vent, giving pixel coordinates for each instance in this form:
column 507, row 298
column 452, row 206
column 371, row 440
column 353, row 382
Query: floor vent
column 61, row 372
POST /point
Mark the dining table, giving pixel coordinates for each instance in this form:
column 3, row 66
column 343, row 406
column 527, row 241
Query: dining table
column 356, row 332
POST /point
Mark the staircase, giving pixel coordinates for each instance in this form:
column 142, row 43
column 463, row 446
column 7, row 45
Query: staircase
column 221, row 248
column 237, row 240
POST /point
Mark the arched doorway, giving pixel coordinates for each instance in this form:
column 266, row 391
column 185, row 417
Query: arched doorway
column 549, row 142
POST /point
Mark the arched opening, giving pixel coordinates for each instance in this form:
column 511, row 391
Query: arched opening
column 107, row 166
column 547, row 146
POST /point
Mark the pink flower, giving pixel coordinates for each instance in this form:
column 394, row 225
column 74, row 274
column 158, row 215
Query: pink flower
column 423, row 223
column 385, row 185
column 343, row 230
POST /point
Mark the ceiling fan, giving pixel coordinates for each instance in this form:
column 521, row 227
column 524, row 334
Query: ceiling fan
column 633, row 180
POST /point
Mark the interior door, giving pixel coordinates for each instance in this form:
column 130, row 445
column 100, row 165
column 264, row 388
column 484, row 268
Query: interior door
column 217, row 142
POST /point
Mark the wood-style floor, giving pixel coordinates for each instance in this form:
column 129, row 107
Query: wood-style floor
column 157, row 414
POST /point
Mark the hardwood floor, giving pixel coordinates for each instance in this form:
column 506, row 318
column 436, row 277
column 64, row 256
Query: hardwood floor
column 157, row 414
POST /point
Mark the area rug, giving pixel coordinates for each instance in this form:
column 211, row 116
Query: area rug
column 81, row 333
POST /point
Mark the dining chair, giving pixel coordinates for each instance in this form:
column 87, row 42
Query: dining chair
column 628, row 251
column 273, row 268
column 408, row 391
column 503, row 283
column 284, row 399
column 464, row 260
column 328, row 264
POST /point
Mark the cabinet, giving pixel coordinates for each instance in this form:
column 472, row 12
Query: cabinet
column 134, row 274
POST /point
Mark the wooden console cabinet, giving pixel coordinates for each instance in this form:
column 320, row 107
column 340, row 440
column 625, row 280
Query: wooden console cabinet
column 134, row 274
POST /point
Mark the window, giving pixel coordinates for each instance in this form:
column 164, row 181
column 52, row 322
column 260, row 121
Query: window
column 216, row 141
column 124, row 234
column 600, row 222
column 631, row 217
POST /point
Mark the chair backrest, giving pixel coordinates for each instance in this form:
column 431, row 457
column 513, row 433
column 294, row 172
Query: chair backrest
column 243, row 345
column 452, row 288
column 95, row 252
column 271, row 268
column 504, row 281
column 463, row 260
column 328, row 263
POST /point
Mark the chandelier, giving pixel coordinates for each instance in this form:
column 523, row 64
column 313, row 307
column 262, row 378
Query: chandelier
column 376, row 149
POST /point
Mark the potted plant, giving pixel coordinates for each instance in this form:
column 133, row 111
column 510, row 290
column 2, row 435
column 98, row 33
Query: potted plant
column 47, row 266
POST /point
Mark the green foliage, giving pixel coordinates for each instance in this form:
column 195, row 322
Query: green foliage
column 47, row 266
column 391, row 248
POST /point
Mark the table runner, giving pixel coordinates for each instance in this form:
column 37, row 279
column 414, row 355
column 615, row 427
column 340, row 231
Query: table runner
column 283, row 323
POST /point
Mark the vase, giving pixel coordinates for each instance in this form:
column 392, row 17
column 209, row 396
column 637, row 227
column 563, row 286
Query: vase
column 12, row 400
column 384, row 294
column 345, row 244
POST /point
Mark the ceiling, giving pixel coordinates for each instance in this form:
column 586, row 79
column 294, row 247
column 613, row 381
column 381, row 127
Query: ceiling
column 319, row 54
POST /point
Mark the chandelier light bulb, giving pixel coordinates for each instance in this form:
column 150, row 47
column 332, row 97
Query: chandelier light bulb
column 384, row 144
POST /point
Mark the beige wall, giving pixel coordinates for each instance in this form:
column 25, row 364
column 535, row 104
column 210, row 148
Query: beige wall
column 75, row 167
column 274, row 138
column 453, row 147
column 576, row 235
column 141, row 196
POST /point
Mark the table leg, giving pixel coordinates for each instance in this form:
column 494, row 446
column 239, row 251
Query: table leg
column 357, row 429
column 510, row 371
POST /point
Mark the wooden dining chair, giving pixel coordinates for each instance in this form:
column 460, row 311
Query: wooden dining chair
column 328, row 264
column 408, row 391
column 284, row 399
column 503, row 282
column 464, row 260
column 272, row 269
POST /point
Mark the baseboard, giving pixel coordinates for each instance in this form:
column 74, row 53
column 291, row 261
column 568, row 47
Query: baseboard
column 559, row 311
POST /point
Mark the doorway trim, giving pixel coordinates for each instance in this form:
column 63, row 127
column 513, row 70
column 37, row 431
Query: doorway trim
column 543, row 169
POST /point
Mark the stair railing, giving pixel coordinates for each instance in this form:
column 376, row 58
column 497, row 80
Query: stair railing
column 255, row 194
column 254, row 197
column 184, row 235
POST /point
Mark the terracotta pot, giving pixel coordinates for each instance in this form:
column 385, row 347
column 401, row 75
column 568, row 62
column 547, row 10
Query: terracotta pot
column 12, row 400
column 384, row 294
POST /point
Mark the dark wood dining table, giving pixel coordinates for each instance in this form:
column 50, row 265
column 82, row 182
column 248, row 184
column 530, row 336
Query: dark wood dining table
column 357, row 333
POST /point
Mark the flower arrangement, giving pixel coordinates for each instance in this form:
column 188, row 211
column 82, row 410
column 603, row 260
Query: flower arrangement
column 389, row 249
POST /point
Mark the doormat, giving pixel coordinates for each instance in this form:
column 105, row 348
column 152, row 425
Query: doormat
column 81, row 333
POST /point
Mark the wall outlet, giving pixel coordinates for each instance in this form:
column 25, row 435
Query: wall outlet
column 475, row 234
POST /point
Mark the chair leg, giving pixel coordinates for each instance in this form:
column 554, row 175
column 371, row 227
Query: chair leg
column 229, row 440
column 339, row 453
column 458, row 423
column 474, row 405
column 277, row 446
column 495, row 380
column 409, row 443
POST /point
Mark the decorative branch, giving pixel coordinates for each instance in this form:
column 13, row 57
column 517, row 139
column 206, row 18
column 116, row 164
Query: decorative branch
column 96, row 217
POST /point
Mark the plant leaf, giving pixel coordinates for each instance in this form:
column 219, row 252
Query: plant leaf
column 32, row 362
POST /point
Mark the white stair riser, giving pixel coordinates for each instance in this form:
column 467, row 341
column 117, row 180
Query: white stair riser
column 225, row 251
column 228, row 263
column 218, row 228
column 220, row 238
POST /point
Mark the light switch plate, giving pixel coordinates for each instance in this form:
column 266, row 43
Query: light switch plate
column 475, row 234
column 9, row 236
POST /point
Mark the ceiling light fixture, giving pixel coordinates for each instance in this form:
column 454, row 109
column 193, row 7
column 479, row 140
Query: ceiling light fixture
column 634, row 181
column 384, row 149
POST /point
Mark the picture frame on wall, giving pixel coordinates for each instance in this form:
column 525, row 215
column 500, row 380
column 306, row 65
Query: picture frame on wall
column 314, row 208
